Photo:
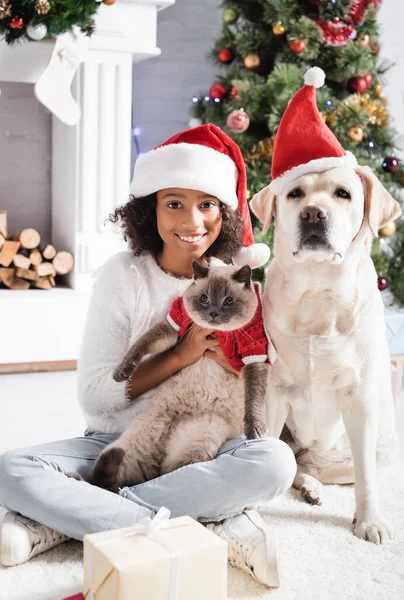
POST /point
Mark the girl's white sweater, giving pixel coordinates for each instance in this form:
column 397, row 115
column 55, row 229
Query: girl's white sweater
column 130, row 294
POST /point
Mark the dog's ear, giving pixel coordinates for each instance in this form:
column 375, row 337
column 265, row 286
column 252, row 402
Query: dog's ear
column 263, row 206
column 380, row 206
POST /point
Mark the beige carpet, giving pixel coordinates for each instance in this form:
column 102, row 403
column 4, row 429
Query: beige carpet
column 320, row 557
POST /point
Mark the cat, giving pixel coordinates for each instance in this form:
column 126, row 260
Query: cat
column 198, row 409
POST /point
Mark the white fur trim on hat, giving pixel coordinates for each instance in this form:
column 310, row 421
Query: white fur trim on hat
column 317, row 165
column 256, row 255
column 187, row 166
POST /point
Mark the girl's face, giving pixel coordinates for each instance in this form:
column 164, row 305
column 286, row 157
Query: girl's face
column 188, row 221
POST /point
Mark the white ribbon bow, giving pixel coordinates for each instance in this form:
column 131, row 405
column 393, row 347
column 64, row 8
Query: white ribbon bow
column 149, row 528
column 75, row 47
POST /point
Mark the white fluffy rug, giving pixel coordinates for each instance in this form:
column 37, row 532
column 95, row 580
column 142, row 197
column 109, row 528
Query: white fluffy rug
column 320, row 557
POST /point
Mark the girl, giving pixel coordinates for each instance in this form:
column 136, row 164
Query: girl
column 188, row 195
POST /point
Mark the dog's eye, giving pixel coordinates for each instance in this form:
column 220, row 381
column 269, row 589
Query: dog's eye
column 341, row 193
column 229, row 301
column 296, row 193
column 203, row 299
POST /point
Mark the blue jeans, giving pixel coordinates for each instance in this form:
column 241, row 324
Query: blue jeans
column 34, row 483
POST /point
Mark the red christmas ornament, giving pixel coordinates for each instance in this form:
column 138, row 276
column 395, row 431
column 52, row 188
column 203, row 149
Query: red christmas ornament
column 297, row 46
column 368, row 78
column 358, row 9
column 336, row 33
column 17, row 23
column 234, row 93
column 225, row 55
column 217, row 91
column 357, row 85
column 238, row 121
column 382, row 283
column 390, row 164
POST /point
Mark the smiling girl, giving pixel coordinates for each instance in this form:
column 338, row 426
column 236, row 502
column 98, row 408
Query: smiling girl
column 188, row 203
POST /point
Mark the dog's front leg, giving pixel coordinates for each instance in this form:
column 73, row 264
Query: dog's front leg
column 278, row 403
column 360, row 415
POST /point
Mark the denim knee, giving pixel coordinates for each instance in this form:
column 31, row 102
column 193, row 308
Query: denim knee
column 272, row 464
column 12, row 466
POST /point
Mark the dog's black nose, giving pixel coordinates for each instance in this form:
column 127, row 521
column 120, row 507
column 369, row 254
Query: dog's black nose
column 314, row 214
column 213, row 313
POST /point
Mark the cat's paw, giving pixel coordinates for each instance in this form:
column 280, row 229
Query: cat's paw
column 123, row 372
column 256, row 431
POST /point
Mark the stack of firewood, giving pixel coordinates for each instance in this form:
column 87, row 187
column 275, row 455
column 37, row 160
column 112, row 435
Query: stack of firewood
column 24, row 264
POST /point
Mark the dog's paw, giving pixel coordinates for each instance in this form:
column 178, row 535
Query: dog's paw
column 123, row 372
column 372, row 530
column 313, row 494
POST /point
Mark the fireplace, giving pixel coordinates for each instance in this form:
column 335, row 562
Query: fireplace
column 90, row 177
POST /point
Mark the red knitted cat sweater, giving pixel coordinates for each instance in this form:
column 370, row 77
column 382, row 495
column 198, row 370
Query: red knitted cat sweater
column 241, row 347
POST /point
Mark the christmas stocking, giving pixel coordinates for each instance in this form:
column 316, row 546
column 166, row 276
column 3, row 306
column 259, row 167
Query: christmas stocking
column 53, row 88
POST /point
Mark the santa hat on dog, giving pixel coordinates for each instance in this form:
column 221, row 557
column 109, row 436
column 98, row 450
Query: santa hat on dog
column 206, row 159
column 304, row 143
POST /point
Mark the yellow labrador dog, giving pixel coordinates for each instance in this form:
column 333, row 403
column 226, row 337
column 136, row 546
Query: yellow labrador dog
column 331, row 384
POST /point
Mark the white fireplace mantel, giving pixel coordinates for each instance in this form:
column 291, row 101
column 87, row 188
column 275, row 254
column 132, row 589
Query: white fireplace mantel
column 90, row 176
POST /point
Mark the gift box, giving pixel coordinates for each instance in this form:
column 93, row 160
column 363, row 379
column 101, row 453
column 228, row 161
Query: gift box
column 159, row 559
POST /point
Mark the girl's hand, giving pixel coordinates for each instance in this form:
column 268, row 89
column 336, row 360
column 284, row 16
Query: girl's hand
column 219, row 357
column 194, row 345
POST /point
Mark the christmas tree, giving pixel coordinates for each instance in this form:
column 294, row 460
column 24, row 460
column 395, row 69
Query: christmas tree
column 264, row 50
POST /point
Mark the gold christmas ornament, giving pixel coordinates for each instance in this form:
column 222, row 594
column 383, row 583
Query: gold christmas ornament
column 278, row 29
column 365, row 107
column 388, row 230
column 252, row 61
column 378, row 89
column 356, row 134
column 5, row 9
column 42, row 7
column 365, row 39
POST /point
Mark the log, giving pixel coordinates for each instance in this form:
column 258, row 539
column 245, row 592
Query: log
column 27, row 274
column 7, row 253
column 3, row 223
column 43, row 283
column 21, row 261
column 7, row 276
column 63, row 262
column 35, row 257
column 28, row 238
column 44, row 269
column 49, row 252
column 2, row 239
column 52, row 280
column 19, row 284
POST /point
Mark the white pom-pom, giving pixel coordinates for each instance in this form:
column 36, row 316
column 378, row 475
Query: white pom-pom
column 314, row 76
column 256, row 255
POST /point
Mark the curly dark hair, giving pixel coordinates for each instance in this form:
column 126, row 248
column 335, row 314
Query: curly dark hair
column 138, row 221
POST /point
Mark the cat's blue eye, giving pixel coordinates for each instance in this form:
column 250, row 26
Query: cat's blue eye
column 229, row 301
column 203, row 299
column 174, row 205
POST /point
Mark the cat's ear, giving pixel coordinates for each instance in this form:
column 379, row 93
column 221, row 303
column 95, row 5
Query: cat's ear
column 199, row 271
column 243, row 276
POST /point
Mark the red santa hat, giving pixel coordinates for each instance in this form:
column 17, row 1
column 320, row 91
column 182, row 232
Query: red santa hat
column 206, row 159
column 304, row 143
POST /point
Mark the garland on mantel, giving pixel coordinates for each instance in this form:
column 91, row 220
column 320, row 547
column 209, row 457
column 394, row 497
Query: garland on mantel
column 37, row 19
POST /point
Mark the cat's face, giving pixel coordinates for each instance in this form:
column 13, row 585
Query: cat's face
column 221, row 297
